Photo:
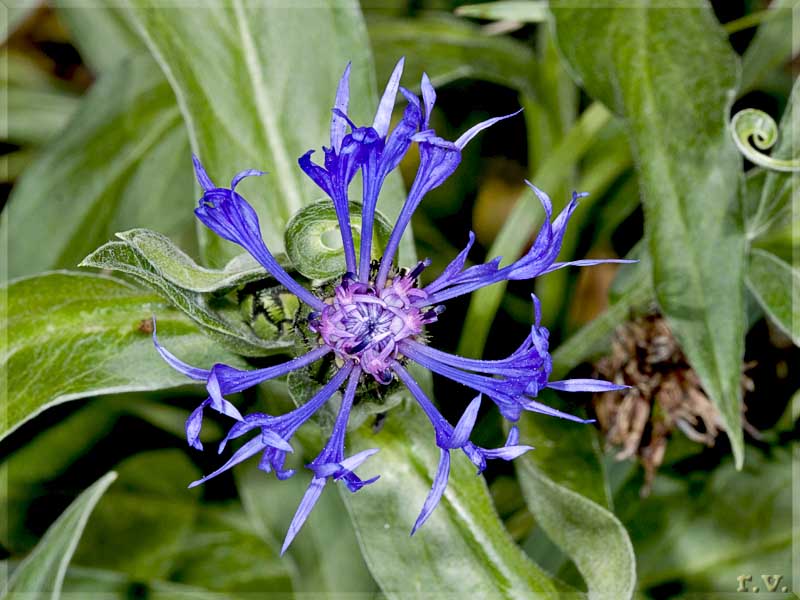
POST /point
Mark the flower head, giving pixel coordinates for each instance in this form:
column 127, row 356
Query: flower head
column 373, row 320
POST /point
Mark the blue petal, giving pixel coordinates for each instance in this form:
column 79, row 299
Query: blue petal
column 475, row 130
column 428, row 98
column 200, row 172
column 246, row 451
column 194, row 424
column 435, row 495
column 585, row 385
column 353, row 462
column 384, row 113
column 339, row 125
column 534, row 406
column 246, row 173
column 175, row 363
column 230, row 216
column 465, row 424
column 272, row 439
column 306, row 505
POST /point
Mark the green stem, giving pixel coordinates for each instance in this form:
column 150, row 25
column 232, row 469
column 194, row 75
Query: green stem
column 746, row 22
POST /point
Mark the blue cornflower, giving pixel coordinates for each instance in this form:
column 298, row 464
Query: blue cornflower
column 373, row 321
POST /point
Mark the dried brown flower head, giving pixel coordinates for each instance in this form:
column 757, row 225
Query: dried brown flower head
column 665, row 395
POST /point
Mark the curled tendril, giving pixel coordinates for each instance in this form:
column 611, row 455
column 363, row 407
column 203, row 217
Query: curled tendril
column 314, row 243
column 751, row 124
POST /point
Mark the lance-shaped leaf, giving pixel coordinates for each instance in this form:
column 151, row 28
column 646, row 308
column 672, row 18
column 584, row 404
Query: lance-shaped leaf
column 776, row 43
column 463, row 548
column 156, row 262
column 775, row 283
column 73, row 335
column 643, row 61
column 567, row 493
column 41, row 574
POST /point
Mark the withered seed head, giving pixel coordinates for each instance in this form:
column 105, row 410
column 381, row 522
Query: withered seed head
column 664, row 394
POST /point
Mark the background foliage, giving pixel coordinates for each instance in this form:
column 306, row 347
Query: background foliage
column 631, row 102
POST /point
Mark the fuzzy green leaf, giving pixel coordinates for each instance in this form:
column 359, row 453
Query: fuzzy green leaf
column 73, row 335
column 643, row 61
column 776, row 286
column 156, row 262
column 463, row 549
column 564, row 486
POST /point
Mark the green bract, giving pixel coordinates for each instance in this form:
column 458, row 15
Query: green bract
column 314, row 244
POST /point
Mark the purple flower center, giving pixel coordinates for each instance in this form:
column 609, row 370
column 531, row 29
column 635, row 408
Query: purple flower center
column 364, row 323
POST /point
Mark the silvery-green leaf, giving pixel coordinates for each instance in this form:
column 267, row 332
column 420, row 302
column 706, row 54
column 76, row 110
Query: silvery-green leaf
column 642, row 61
column 563, row 481
column 775, row 43
column 219, row 318
column 178, row 268
column 529, row 11
column 463, row 549
column 73, row 335
column 776, row 286
column 42, row 572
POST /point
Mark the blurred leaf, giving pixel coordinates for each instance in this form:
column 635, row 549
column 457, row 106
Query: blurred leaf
column 101, row 33
column 529, row 11
column 643, row 61
column 14, row 14
column 775, row 283
column 158, row 514
column 14, row 163
column 325, row 556
column 38, row 115
column 99, row 584
column 40, row 104
column 702, row 530
column 270, row 105
column 564, row 486
column 122, row 160
column 223, row 554
column 30, row 470
column 42, row 572
column 156, row 262
column 775, row 43
column 449, row 49
column 73, row 335
column 775, row 207
column 463, row 549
